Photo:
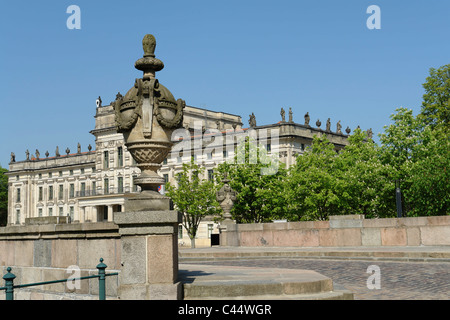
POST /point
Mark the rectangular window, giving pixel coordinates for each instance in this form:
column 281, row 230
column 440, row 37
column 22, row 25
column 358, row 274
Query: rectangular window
column 120, row 184
column 50, row 212
column 166, row 177
column 61, row 192
column 180, row 231
column 72, row 190
column 120, row 156
column 94, row 188
column 83, row 189
column 71, row 172
column 61, row 211
column 211, row 175
column 71, row 211
column 49, row 174
column 40, row 175
column 210, row 230
column 268, row 147
column 82, row 170
column 18, row 195
column 106, row 186
column 40, row 212
column 50, row 193
column 41, row 192
column 135, row 186
column 17, row 216
column 105, row 159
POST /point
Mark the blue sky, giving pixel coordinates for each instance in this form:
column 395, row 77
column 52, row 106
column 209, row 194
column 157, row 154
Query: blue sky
column 233, row 56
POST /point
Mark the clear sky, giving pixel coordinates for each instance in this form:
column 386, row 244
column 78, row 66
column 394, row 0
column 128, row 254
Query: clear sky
column 233, row 56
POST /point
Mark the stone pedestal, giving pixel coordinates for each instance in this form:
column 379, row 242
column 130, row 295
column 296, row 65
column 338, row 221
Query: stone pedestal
column 228, row 233
column 149, row 254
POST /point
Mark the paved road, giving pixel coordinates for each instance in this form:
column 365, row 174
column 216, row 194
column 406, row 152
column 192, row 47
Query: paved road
column 398, row 280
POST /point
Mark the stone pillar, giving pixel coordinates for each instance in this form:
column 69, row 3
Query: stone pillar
column 110, row 213
column 149, row 255
column 94, row 214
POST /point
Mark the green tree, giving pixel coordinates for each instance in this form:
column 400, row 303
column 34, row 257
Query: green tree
column 369, row 183
column 258, row 178
column 312, row 183
column 435, row 110
column 428, row 180
column 3, row 196
column 194, row 196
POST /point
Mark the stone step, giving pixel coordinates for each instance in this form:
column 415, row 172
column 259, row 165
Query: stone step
column 331, row 295
column 204, row 282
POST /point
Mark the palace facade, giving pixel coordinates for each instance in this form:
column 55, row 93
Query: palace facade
column 88, row 186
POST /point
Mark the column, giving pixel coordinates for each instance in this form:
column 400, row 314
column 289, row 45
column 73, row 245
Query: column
column 110, row 213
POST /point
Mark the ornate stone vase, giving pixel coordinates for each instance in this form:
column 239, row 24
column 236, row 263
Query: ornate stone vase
column 147, row 115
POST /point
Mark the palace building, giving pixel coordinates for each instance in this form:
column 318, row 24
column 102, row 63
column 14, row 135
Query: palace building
column 88, row 186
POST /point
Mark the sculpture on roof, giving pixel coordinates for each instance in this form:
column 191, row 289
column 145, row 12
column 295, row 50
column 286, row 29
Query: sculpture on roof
column 307, row 118
column 290, row 115
column 338, row 127
column 328, row 126
column 283, row 114
column 252, row 121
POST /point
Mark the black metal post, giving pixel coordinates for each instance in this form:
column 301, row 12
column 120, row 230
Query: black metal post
column 398, row 198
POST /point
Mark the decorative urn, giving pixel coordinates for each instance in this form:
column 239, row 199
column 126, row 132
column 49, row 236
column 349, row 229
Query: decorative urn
column 147, row 115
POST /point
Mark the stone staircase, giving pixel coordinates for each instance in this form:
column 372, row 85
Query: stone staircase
column 208, row 282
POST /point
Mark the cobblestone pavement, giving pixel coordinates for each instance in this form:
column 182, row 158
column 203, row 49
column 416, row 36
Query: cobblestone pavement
column 399, row 280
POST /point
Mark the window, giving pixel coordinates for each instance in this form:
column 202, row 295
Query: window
column 165, row 161
column 40, row 193
column 60, row 173
column 105, row 159
column 40, row 212
column 83, row 189
column 71, row 211
column 135, row 186
column 303, row 146
column 211, row 175
column 120, row 156
column 49, row 174
column 40, row 176
column 18, row 195
column 94, row 188
column 120, row 184
column 106, row 186
column 61, row 211
column 50, row 193
column 268, row 147
column 61, row 192
column 180, row 231
column 17, row 216
column 166, row 177
column 209, row 155
column 72, row 190
column 210, row 230
column 50, row 212
column 225, row 154
column 82, row 170
column 71, row 172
